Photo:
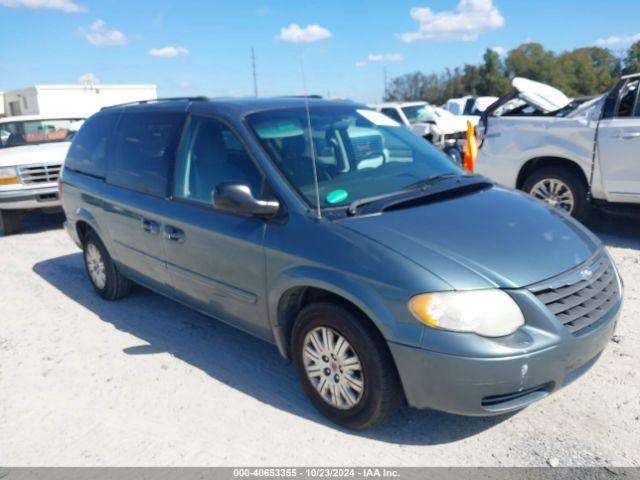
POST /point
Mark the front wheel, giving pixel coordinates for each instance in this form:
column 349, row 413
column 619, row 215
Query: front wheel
column 344, row 366
column 559, row 187
column 454, row 154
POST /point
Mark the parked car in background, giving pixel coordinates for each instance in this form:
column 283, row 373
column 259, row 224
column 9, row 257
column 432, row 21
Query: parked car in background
column 32, row 150
column 469, row 105
column 569, row 154
column 384, row 271
column 446, row 131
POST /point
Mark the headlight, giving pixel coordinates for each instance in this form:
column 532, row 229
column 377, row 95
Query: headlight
column 490, row 313
column 8, row 176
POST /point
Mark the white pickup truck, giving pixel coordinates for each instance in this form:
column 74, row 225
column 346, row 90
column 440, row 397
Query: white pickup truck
column 32, row 150
column 569, row 154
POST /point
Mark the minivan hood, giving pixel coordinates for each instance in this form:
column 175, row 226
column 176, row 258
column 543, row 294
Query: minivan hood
column 30, row 154
column 492, row 238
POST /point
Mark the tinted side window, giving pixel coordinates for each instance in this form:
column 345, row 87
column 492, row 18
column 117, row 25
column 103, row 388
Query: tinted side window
column 145, row 145
column 88, row 152
column 392, row 113
column 627, row 99
column 212, row 154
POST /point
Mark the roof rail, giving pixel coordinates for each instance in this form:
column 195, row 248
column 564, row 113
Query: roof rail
column 155, row 100
column 302, row 96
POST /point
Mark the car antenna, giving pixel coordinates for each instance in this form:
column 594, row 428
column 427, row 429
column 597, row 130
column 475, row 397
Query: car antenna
column 312, row 146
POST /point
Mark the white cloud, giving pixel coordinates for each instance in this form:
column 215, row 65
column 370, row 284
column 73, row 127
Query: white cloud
column 380, row 57
column 294, row 33
column 99, row 36
column 615, row 41
column 168, row 51
column 499, row 50
column 88, row 78
column 68, row 6
column 469, row 19
column 388, row 57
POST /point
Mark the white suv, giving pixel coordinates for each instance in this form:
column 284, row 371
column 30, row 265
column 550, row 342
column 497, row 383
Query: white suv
column 32, row 150
column 569, row 154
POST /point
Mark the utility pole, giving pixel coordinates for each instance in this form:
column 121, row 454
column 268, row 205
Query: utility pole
column 255, row 76
column 384, row 91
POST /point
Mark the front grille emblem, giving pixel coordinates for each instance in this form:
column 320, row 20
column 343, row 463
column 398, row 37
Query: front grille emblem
column 586, row 273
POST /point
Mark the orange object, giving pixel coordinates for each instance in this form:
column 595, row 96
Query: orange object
column 471, row 150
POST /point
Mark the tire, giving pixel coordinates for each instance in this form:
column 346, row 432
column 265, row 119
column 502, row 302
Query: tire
column 568, row 179
column 454, row 154
column 381, row 393
column 111, row 285
column 10, row 221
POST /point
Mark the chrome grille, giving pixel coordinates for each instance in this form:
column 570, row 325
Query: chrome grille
column 582, row 298
column 33, row 174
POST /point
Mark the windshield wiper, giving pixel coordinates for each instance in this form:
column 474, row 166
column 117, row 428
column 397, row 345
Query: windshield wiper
column 420, row 185
column 353, row 206
column 431, row 180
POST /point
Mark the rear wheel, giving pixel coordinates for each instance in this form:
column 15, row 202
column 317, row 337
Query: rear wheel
column 344, row 366
column 10, row 221
column 103, row 273
column 559, row 187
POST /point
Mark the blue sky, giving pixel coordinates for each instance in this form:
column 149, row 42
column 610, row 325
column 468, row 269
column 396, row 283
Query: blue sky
column 204, row 47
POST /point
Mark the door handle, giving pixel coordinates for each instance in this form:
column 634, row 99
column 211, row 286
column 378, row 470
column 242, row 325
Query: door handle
column 628, row 135
column 150, row 226
column 174, row 234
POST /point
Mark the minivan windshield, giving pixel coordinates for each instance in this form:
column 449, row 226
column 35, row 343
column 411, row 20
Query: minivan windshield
column 359, row 153
column 30, row 132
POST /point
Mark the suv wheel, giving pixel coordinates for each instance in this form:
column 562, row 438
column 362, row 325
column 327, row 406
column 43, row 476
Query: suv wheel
column 345, row 368
column 559, row 187
column 10, row 221
column 102, row 272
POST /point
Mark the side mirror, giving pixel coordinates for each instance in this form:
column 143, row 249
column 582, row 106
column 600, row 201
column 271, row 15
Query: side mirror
column 237, row 198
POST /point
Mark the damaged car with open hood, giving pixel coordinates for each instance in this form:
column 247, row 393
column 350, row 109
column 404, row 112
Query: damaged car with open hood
column 569, row 153
column 385, row 272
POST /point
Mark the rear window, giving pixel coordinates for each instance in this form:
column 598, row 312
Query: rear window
column 88, row 152
column 146, row 143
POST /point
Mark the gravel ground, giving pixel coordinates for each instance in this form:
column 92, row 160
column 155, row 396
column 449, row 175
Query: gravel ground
column 145, row 381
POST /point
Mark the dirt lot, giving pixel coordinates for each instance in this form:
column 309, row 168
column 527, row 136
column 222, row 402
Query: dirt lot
column 145, row 381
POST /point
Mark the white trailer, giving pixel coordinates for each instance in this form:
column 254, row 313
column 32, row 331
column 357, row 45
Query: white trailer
column 72, row 100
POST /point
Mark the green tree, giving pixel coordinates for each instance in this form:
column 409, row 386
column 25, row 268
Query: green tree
column 471, row 79
column 531, row 60
column 631, row 61
column 414, row 86
column 492, row 80
column 587, row 71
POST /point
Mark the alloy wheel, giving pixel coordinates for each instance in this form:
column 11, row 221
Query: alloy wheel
column 95, row 266
column 333, row 368
column 555, row 193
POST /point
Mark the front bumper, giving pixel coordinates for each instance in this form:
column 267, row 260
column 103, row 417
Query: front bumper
column 29, row 198
column 490, row 386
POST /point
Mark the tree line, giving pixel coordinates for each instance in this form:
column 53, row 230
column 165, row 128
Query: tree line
column 580, row 72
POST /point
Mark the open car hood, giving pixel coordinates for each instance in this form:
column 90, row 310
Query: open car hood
column 543, row 97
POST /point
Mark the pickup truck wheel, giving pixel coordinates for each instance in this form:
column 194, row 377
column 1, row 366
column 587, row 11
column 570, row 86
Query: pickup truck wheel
column 559, row 187
column 10, row 221
column 345, row 368
column 103, row 274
